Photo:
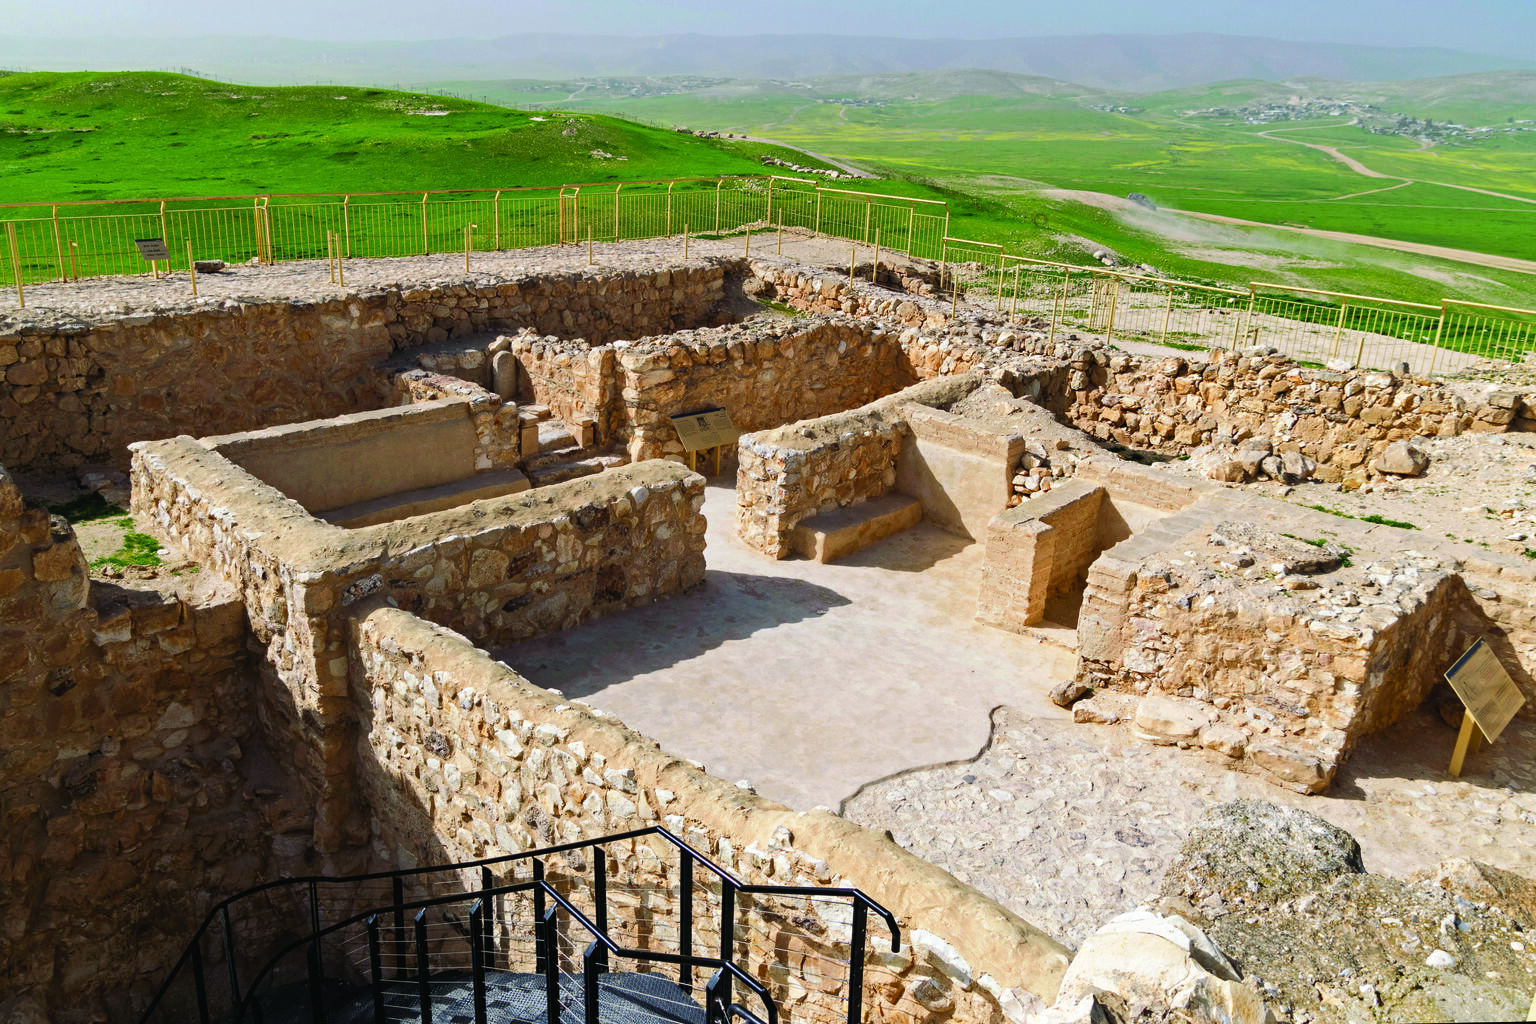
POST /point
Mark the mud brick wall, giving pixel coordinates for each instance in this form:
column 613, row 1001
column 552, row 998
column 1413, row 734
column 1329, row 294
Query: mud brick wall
column 462, row 758
column 125, row 731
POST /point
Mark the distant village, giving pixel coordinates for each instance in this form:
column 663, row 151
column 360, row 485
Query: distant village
column 1372, row 118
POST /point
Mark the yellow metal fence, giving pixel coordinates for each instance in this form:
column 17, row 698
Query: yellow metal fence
column 69, row 241
column 1312, row 326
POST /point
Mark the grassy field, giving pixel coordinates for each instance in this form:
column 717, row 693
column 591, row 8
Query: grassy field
column 965, row 129
column 1000, row 159
column 119, row 135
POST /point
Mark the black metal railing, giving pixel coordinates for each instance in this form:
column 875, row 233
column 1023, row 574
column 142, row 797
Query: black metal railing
column 327, row 942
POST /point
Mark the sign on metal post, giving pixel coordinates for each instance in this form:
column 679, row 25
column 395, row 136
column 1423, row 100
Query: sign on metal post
column 708, row 429
column 152, row 249
column 1490, row 696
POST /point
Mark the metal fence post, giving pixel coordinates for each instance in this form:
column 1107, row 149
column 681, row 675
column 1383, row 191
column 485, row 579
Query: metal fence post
column 477, row 957
column 426, row 245
column 594, row 962
column 1338, row 330
column 548, row 940
column 1434, row 353
column 346, row 224
column 376, row 969
column 423, row 969
column 856, row 962
column 616, row 234
column 718, row 184
column 685, row 922
column 10, row 237
column 199, row 984
column 58, row 243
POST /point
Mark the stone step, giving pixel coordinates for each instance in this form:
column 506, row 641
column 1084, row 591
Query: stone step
column 829, row 536
column 540, row 413
column 554, row 435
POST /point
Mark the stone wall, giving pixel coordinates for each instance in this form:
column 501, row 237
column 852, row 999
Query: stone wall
column 573, row 379
column 83, row 393
column 1342, row 420
column 766, row 375
column 326, row 464
column 1176, row 610
column 125, row 740
column 796, row 471
column 502, row 570
column 462, row 758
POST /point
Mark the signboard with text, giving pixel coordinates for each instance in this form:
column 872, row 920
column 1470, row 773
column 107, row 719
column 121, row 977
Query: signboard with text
column 1490, row 696
column 152, row 249
column 703, row 430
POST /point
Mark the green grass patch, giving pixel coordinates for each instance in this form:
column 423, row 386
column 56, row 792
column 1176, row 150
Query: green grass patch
column 1373, row 518
column 137, row 549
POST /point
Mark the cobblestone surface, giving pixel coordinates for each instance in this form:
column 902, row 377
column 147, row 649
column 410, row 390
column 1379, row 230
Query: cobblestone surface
column 1068, row 825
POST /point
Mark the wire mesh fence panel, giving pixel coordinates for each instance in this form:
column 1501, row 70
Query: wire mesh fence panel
column 1477, row 331
column 800, row 949
column 927, row 240
column 1320, row 327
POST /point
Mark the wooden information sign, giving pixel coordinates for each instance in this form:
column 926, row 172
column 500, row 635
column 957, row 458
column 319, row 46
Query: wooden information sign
column 152, row 249
column 703, row 431
column 1489, row 695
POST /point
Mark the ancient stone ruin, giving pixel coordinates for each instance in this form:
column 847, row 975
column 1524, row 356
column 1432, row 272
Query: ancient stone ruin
column 377, row 488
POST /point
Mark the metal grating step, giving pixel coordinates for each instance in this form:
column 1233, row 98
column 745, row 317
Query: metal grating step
column 624, row 998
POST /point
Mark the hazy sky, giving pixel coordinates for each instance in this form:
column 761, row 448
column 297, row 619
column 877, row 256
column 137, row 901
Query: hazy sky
column 1504, row 27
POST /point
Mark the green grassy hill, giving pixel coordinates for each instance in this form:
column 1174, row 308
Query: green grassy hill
column 89, row 135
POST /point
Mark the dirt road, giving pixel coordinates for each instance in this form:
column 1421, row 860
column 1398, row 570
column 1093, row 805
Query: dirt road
column 1481, row 259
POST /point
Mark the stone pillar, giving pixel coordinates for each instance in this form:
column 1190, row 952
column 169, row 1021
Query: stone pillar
column 504, row 375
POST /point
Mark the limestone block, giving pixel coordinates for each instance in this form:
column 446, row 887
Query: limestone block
column 1402, row 458
column 1166, row 720
column 1162, row 964
column 1296, row 769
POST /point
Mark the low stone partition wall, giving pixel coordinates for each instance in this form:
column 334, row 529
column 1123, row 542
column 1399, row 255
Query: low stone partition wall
column 1341, row 420
column 462, row 758
column 125, row 731
column 81, row 391
column 788, row 474
column 501, row 570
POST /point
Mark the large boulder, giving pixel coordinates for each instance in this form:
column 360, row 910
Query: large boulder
column 1286, row 896
column 1401, row 458
column 1143, row 966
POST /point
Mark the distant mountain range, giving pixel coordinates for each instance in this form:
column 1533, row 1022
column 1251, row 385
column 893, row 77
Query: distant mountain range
column 1130, row 63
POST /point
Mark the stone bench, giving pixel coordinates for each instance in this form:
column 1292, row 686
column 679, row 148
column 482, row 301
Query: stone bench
column 829, row 536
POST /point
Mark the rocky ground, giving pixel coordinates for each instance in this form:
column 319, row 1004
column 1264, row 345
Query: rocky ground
column 1070, row 824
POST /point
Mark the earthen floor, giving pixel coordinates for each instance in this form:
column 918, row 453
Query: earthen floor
column 866, row 686
column 808, row 680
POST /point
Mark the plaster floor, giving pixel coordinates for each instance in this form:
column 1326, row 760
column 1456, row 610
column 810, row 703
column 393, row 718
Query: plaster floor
column 808, row 680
